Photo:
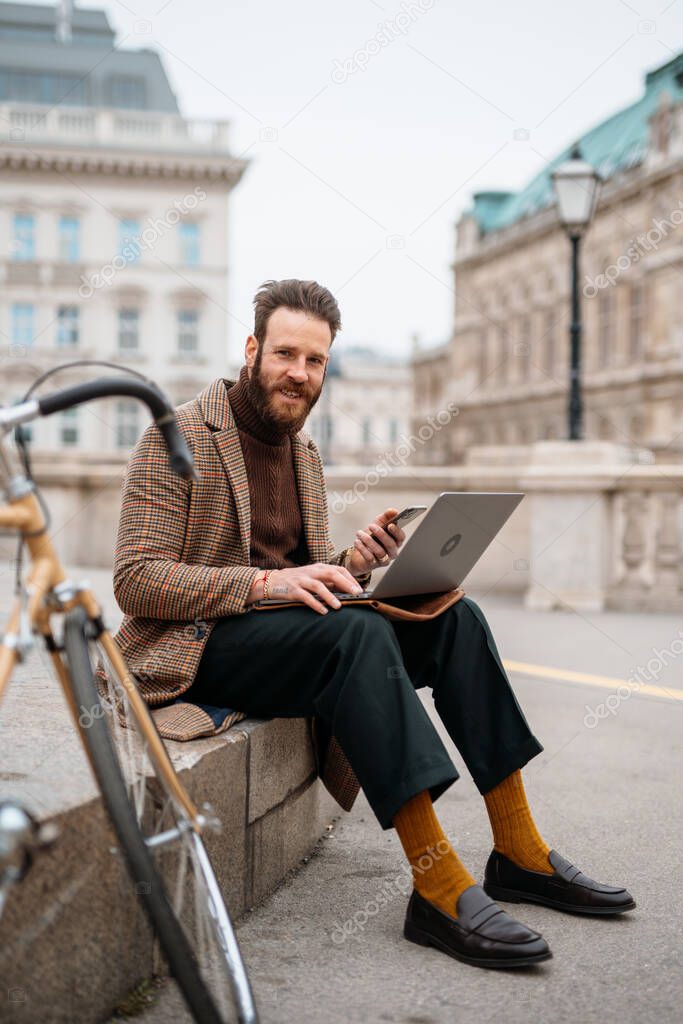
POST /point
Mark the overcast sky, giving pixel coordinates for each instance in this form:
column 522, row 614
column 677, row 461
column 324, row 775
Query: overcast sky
column 365, row 148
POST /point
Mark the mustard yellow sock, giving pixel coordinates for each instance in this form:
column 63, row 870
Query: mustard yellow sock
column 438, row 873
column 514, row 831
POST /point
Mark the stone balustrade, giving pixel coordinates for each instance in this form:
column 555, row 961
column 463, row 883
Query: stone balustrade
column 109, row 127
column 601, row 526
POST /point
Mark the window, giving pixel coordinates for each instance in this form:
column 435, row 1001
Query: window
column 51, row 87
column 437, row 386
column 636, row 428
column 189, row 244
column 129, row 239
column 605, row 327
column 636, row 322
column 67, row 326
column 126, row 92
column 325, row 428
column 22, row 324
column 604, row 428
column 27, row 432
column 68, row 427
column 27, row 429
column 393, row 430
column 501, row 367
column 188, row 332
column 524, row 347
column 549, row 342
column 129, row 330
column 24, row 240
column 366, row 429
column 482, row 354
column 127, row 423
column 69, row 239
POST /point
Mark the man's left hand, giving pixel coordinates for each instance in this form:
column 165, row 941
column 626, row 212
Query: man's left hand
column 377, row 546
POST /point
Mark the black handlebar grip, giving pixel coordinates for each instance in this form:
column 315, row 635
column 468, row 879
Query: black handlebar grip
column 105, row 387
column 180, row 456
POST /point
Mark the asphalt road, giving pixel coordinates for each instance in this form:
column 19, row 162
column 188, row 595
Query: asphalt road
column 606, row 792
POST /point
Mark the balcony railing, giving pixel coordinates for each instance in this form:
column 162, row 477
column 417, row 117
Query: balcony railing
column 108, row 128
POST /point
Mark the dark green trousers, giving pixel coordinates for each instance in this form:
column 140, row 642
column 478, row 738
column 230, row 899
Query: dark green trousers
column 359, row 672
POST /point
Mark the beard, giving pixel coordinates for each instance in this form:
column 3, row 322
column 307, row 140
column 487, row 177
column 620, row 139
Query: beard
column 279, row 416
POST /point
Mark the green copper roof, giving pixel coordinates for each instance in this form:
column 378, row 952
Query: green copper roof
column 615, row 145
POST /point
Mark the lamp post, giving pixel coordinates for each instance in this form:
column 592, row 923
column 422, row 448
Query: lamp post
column 576, row 186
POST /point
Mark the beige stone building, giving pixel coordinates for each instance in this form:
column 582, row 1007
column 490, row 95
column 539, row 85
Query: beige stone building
column 114, row 216
column 506, row 364
column 364, row 411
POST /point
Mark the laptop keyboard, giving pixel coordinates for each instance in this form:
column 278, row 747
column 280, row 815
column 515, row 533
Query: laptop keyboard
column 341, row 594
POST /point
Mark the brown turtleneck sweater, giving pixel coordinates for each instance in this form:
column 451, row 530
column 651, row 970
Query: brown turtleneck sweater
column 277, row 535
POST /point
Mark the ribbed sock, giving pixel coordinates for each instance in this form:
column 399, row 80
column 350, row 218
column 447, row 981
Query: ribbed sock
column 438, row 873
column 514, row 831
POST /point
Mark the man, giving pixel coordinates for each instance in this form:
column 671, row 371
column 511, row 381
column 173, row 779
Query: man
column 192, row 558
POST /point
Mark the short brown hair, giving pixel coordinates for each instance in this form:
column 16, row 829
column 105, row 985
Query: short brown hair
column 308, row 296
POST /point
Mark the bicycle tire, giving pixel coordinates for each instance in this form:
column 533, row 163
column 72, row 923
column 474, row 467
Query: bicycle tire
column 180, row 957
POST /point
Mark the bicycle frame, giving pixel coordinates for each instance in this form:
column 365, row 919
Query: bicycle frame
column 49, row 592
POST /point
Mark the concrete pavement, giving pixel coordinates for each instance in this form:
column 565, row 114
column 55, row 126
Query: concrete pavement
column 606, row 792
column 259, row 777
column 328, row 946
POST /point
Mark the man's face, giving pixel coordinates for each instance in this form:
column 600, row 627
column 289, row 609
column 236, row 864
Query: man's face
column 286, row 376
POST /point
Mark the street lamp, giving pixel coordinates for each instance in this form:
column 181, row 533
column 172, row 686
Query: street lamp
column 576, row 186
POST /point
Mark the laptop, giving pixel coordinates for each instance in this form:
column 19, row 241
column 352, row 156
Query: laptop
column 448, row 541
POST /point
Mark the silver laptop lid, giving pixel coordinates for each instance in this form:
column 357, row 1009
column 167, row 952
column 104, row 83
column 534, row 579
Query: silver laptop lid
column 448, row 541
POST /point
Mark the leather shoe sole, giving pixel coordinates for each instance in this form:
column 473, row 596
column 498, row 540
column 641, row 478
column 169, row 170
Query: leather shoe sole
column 567, row 888
column 483, row 934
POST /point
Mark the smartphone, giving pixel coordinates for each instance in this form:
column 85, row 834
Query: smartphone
column 407, row 515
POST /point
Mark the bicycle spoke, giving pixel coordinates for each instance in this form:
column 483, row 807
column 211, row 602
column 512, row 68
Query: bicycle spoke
column 180, row 857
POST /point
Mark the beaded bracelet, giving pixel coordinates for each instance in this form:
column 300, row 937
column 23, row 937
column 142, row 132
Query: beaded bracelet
column 264, row 578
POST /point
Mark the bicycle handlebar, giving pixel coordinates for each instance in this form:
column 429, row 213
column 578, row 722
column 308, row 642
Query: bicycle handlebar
column 179, row 455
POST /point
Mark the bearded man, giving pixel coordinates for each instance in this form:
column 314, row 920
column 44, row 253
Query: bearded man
column 192, row 557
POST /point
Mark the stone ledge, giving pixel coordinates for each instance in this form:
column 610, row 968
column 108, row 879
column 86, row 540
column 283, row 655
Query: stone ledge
column 73, row 940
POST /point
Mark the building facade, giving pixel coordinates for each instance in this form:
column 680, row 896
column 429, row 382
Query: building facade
column 506, row 365
column 113, row 222
column 364, row 409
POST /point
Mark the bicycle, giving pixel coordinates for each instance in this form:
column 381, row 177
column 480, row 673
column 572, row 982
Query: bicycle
column 158, row 826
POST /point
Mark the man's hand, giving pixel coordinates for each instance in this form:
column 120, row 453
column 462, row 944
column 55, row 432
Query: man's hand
column 376, row 547
column 311, row 584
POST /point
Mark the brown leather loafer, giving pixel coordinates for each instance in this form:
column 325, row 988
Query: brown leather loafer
column 482, row 934
column 567, row 888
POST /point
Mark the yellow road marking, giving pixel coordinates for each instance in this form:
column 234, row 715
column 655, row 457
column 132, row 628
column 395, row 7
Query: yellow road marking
column 548, row 672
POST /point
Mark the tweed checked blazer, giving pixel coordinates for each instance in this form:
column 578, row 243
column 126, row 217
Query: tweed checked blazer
column 182, row 561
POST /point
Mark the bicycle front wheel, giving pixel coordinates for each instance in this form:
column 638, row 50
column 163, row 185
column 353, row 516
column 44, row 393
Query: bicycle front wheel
column 163, row 849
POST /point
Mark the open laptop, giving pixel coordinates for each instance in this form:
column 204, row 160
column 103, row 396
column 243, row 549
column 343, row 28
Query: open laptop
column 448, row 541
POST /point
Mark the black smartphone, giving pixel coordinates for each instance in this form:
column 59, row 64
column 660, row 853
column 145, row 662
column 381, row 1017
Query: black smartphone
column 407, row 515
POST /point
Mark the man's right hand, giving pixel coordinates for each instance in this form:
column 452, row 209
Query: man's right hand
column 310, row 584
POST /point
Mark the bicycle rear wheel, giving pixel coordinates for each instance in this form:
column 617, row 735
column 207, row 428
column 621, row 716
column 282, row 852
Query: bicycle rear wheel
column 162, row 847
